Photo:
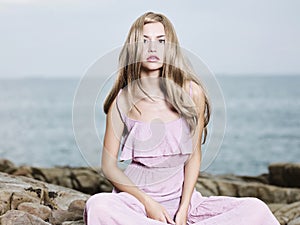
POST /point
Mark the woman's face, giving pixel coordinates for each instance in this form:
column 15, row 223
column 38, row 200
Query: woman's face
column 153, row 47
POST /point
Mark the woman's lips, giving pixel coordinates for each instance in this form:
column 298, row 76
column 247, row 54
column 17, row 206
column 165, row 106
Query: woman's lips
column 152, row 58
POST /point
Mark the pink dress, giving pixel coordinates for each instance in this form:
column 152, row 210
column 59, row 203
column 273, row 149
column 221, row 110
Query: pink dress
column 158, row 152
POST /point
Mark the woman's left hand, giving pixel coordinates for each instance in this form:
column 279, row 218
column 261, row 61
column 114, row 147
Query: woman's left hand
column 181, row 217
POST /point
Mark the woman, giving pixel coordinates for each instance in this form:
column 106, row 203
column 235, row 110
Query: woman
column 158, row 112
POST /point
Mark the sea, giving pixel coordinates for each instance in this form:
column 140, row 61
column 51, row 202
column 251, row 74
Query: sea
column 262, row 123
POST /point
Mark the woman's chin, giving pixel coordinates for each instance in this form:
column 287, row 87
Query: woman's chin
column 152, row 66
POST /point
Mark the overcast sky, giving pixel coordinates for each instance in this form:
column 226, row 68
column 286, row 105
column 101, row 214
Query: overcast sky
column 63, row 37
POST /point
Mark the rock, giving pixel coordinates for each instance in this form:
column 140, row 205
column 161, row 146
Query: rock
column 275, row 206
column 262, row 179
column 295, row 221
column 36, row 209
column 285, row 174
column 287, row 213
column 77, row 206
column 267, row 193
column 6, row 166
column 74, row 212
column 82, row 179
column 283, row 202
column 16, row 217
column 59, row 216
column 80, row 222
column 22, row 196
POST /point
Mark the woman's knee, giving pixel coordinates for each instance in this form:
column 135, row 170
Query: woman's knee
column 97, row 208
column 256, row 204
column 99, row 202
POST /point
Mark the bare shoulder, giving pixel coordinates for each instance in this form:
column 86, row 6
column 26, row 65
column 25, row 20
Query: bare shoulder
column 112, row 110
column 122, row 101
column 199, row 98
column 114, row 121
column 197, row 92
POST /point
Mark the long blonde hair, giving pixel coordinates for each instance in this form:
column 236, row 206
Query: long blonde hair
column 175, row 69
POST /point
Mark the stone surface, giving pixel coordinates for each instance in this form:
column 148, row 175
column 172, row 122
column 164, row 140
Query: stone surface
column 16, row 217
column 295, row 221
column 209, row 186
column 43, row 202
column 287, row 213
column 6, row 166
column 36, row 209
column 285, row 174
column 80, row 222
column 83, row 179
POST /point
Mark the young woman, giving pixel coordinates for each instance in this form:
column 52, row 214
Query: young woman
column 157, row 112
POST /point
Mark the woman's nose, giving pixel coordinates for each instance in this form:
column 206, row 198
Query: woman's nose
column 152, row 46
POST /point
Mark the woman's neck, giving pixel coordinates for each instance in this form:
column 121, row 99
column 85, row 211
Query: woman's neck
column 150, row 73
column 150, row 83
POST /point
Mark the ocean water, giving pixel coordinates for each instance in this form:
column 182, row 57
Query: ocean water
column 263, row 123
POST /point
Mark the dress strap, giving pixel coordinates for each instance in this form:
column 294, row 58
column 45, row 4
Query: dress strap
column 191, row 90
column 118, row 106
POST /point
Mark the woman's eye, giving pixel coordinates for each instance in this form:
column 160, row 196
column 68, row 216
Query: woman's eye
column 162, row 41
column 145, row 41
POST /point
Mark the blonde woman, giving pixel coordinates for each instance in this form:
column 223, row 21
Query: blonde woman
column 157, row 116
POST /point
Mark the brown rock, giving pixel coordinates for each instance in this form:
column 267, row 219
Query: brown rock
column 288, row 213
column 59, row 216
column 80, row 222
column 82, row 179
column 295, row 221
column 19, row 197
column 16, row 217
column 262, row 179
column 6, row 166
column 77, row 206
column 4, row 201
column 62, row 198
column 23, row 171
column 38, row 210
column 276, row 206
column 74, row 213
column 36, row 198
column 267, row 193
column 285, row 174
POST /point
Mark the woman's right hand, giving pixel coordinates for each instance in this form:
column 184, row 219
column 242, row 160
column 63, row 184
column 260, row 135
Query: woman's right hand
column 156, row 211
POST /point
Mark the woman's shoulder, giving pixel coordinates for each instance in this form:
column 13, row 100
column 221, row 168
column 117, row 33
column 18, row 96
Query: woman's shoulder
column 122, row 100
column 194, row 89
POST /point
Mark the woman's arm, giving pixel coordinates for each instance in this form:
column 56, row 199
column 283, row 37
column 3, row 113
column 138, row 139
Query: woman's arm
column 192, row 167
column 111, row 145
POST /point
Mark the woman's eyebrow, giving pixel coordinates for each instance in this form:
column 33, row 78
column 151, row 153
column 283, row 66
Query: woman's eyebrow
column 159, row 36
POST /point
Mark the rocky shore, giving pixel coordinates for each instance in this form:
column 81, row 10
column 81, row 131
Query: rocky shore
column 41, row 196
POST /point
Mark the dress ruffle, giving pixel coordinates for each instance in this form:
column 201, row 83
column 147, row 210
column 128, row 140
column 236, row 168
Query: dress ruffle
column 155, row 139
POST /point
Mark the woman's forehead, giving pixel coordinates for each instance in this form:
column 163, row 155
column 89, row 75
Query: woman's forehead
column 154, row 30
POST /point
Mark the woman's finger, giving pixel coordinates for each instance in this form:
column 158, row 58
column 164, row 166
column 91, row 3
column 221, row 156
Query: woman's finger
column 163, row 219
column 169, row 220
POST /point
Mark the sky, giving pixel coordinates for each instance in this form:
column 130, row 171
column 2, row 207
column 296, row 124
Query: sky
column 62, row 38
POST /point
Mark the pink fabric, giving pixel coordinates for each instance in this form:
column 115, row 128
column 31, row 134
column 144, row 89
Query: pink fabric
column 158, row 152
